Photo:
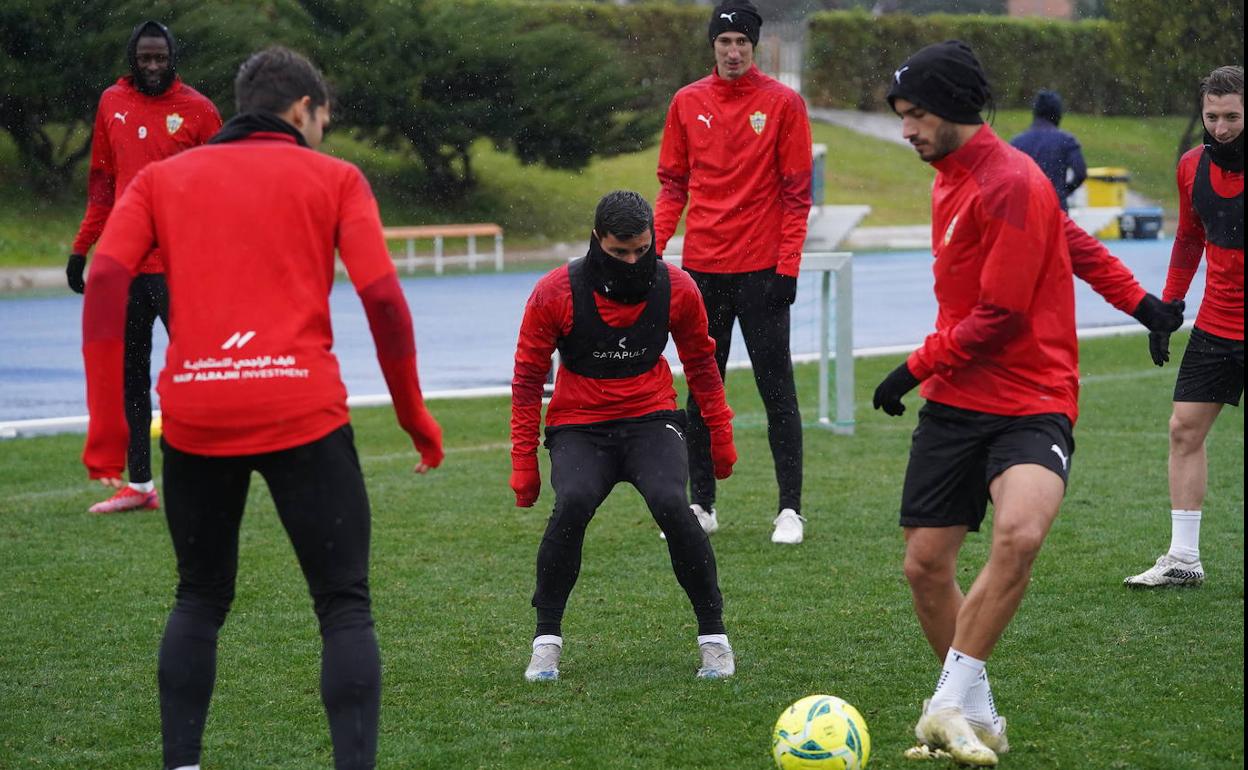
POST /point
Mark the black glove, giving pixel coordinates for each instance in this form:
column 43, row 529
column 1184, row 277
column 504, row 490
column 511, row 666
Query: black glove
column 73, row 272
column 1159, row 317
column 888, row 394
column 1159, row 347
column 781, row 291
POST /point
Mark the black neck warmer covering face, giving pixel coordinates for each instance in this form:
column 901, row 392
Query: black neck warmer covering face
column 151, row 29
column 1229, row 156
column 618, row 280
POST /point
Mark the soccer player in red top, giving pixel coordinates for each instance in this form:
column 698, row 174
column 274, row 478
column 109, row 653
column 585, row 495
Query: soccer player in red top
column 146, row 116
column 248, row 226
column 736, row 149
column 1000, row 375
column 613, row 416
column 1211, row 221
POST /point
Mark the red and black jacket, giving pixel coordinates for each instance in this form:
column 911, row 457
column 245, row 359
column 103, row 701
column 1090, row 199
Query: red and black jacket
column 579, row 399
column 249, row 230
column 738, row 152
column 132, row 130
column 1221, row 194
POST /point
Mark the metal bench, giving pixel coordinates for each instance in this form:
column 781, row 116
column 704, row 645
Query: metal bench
column 438, row 234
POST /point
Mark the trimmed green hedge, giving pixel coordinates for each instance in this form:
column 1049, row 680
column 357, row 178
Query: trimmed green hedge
column 851, row 57
column 1167, row 47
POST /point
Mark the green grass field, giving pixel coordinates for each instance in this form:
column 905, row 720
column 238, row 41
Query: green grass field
column 1090, row 675
column 538, row 206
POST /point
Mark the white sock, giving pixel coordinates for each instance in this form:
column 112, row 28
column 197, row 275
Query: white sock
column 548, row 639
column 146, row 486
column 959, row 673
column 187, row 767
column 981, row 708
column 1185, row 535
column 716, row 638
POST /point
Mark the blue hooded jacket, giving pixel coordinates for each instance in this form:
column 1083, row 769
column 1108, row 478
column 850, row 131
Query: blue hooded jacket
column 1055, row 151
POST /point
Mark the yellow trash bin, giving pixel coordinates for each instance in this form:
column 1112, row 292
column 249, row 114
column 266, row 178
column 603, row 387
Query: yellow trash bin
column 1107, row 187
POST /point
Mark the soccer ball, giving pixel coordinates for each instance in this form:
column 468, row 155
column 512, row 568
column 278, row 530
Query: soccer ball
column 821, row 732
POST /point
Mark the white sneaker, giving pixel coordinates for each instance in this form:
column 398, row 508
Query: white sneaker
column 947, row 729
column 717, row 661
column 544, row 665
column 708, row 519
column 788, row 527
column 994, row 739
column 1169, row 571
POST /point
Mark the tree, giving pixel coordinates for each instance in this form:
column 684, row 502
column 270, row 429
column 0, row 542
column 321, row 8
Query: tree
column 1168, row 47
column 440, row 79
column 57, row 56
column 435, row 76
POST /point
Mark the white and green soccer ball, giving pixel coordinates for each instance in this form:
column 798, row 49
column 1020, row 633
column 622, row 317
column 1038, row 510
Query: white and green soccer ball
column 821, row 732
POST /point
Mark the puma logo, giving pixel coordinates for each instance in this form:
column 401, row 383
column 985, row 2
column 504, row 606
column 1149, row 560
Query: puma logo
column 897, row 74
column 120, row 116
column 706, row 119
column 672, row 428
column 731, row 17
column 1058, row 451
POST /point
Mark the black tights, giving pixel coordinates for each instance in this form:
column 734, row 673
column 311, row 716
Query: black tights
column 743, row 296
column 586, row 463
column 319, row 494
column 149, row 300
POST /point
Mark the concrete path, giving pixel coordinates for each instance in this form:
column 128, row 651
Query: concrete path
column 878, row 125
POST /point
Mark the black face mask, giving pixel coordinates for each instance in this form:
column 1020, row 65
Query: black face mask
column 1229, row 156
column 617, row 280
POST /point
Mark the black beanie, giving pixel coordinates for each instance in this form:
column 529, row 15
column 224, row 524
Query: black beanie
column 1048, row 106
column 945, row 79
column 736, row 16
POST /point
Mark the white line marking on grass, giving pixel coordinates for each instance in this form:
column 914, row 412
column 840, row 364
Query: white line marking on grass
column 1137, row 374
column 414, row 455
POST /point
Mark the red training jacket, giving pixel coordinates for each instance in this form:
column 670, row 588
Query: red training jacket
column 1005, row 254
column 132, row 130
column 249, row 229
column 1222, row 310
column 581, row 400
column 738, row 151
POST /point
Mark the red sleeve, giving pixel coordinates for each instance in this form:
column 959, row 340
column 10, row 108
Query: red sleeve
column 131, row 228
column 1007, row 283
column 1189, row 238
column 391, row 325
column 697, row 354
column 359, row 239
column 673, row 179
column 795, row 183
column 127, row 239
column 1092, row 263
column 103, row 349
column 101, row 184
column 363, row 251
column 539, row 331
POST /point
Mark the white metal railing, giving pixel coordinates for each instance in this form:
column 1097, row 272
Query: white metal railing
column 827, row 264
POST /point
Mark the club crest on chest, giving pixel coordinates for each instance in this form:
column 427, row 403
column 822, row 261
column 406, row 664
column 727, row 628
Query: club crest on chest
column 758, row 121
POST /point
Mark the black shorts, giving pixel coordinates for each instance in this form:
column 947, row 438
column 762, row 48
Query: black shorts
column 1212, row 371
column 955, row 453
